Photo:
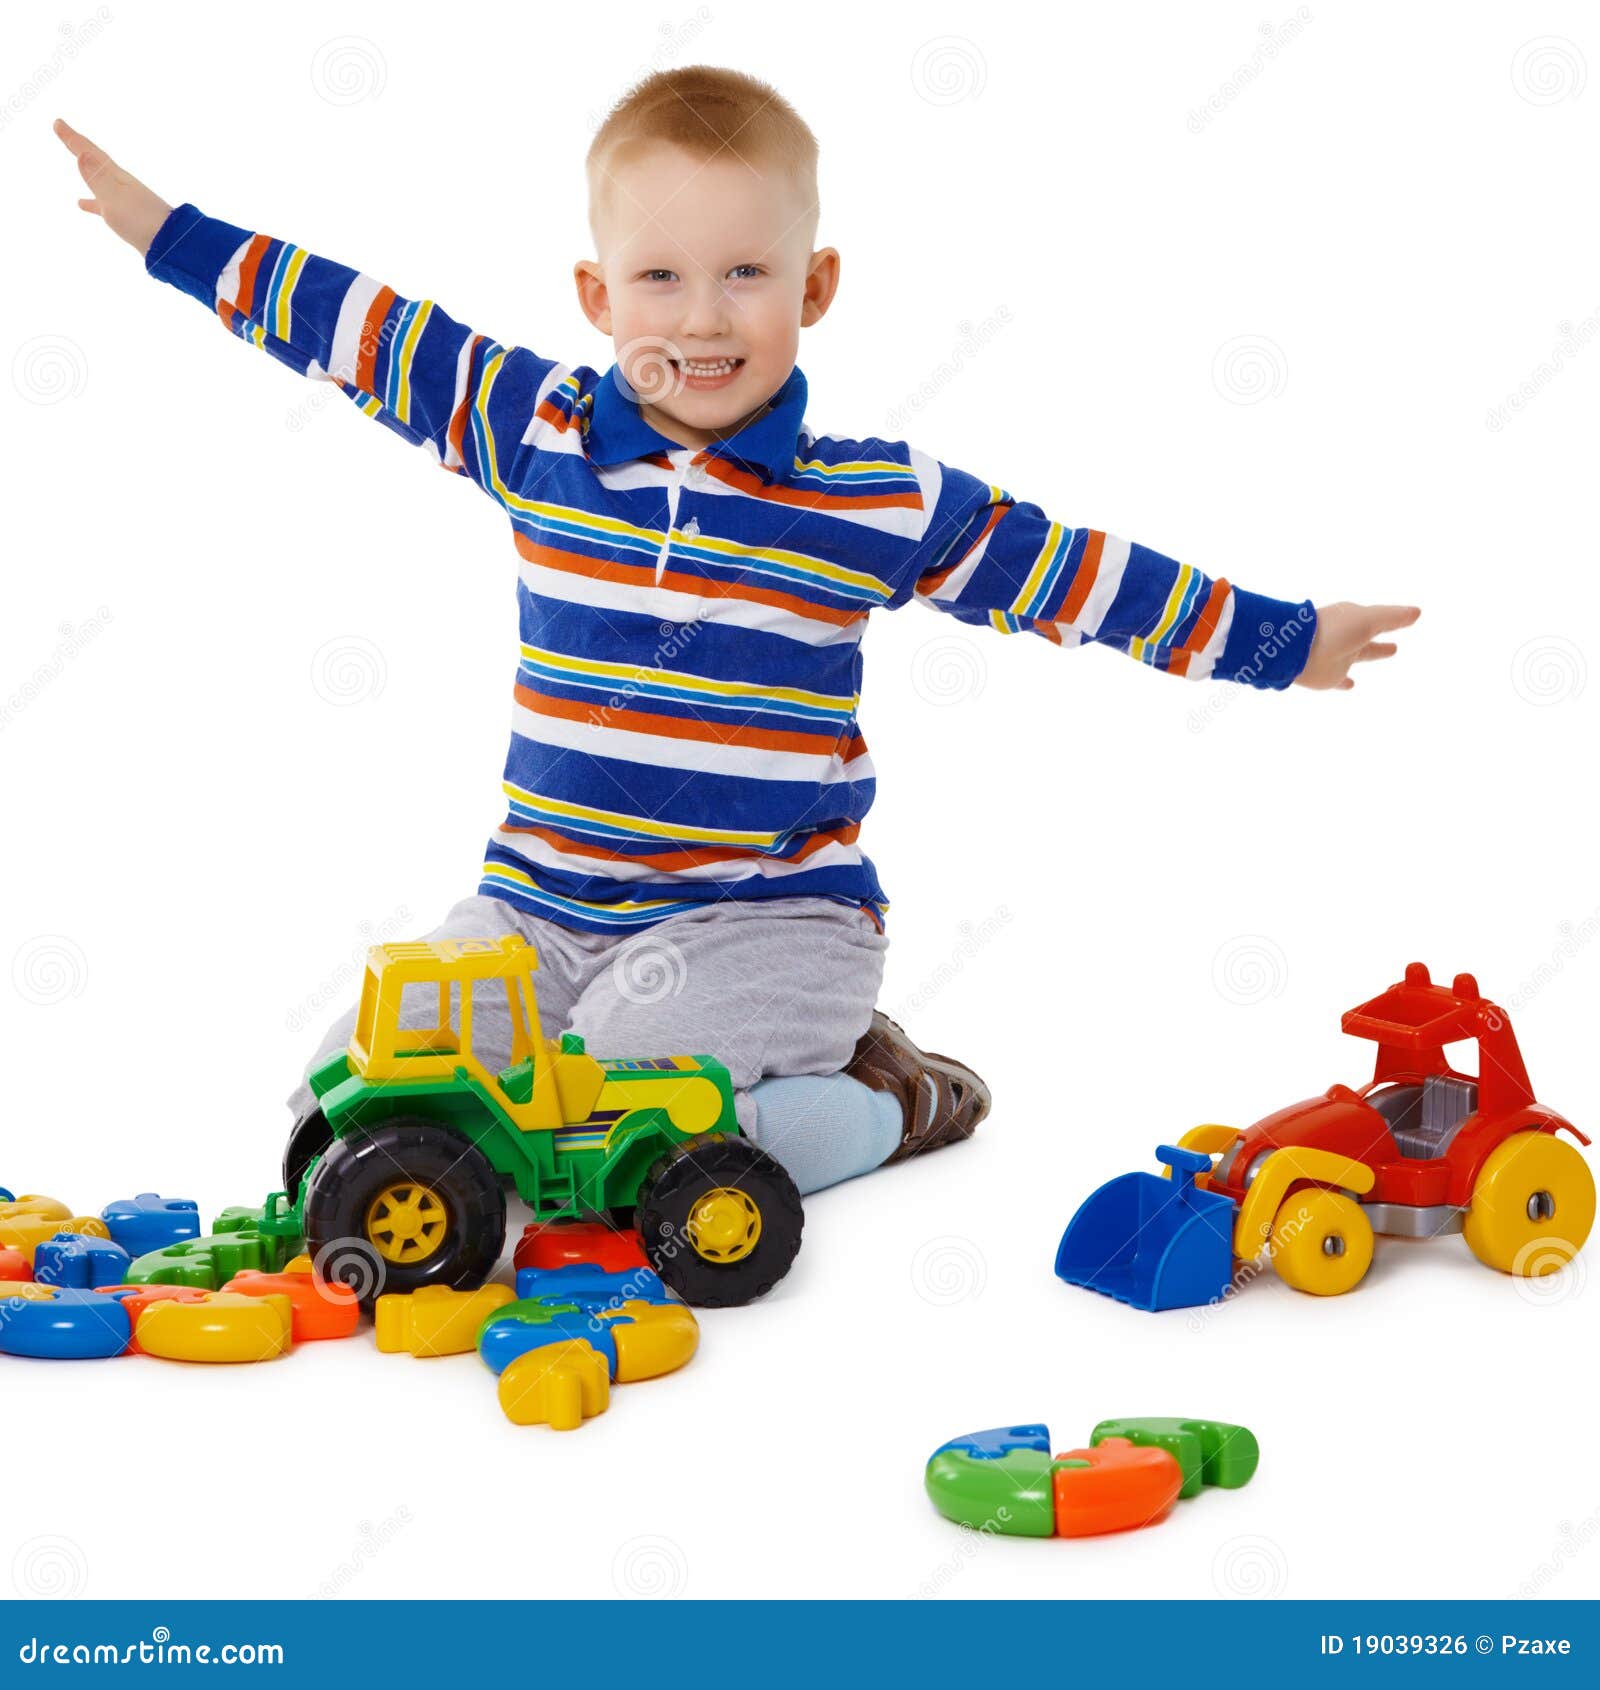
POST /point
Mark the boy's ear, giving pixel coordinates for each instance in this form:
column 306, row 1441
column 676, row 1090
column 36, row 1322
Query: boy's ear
column 822, row 283
column 592, row 294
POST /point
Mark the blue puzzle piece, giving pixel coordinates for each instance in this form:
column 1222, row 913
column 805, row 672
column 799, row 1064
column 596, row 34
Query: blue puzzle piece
column 71, row 1259
column 516, row 1328
column 580, row 1283
column 998, row 1441
column 150, row 1222
column 68, row 1325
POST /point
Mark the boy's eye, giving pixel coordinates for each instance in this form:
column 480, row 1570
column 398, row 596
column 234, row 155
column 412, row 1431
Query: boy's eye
column 755, row 269
column 657, row 275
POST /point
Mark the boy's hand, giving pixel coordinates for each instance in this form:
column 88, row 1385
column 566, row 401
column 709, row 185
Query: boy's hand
column 128, row 207
column 1348, row 634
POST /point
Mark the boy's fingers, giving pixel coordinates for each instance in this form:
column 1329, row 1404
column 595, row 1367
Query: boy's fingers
column 1374, row 650
column 1381, row 618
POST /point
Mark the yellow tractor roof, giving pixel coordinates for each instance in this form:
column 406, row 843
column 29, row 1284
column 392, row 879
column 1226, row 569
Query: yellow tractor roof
column 453, row 959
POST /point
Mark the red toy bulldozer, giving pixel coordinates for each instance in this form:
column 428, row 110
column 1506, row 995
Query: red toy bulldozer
column 1419, row 1151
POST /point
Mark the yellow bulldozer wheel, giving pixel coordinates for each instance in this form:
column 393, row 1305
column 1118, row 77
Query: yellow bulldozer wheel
column 406, row 1222
column 1321, row 1242
column 724, row 1225
column 1532, row 1206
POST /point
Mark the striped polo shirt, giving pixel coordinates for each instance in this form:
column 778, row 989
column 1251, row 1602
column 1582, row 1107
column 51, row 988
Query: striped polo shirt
column 684, row 719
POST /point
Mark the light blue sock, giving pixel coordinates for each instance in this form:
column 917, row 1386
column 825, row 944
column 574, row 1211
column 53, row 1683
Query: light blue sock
column 825, row 1127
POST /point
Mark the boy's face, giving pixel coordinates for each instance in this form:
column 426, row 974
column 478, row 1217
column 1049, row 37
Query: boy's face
column 703, row 265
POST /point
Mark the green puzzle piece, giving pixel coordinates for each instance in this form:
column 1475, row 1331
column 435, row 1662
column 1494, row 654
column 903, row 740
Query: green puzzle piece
column 1011, row 1494
column 1210, row 1452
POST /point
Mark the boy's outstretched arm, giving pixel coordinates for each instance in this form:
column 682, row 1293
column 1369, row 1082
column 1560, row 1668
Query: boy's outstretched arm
column 986, row 559
column 432, row 380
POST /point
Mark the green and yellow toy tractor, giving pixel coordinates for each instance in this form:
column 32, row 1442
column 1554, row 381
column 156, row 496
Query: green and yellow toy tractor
column 413, row 1138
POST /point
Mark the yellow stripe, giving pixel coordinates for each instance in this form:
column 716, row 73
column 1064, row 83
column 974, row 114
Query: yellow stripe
column 503, row 871
column 838, row 469
column 1170, row 614
column 637, row 824
column 290, row 276
column 408, row 351
column 690, row 682
column 1041, row 567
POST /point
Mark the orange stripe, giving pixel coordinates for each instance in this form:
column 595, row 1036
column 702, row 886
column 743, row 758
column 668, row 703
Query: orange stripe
column 1083, row 581
column 931, row 583
column 634, row 720
column 367, row 346
column 1209, row 616
column 249, row 265
column 641, row 575
column 702, row 856
column 730, row 475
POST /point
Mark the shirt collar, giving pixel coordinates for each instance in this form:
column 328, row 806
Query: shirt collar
column 617, row 431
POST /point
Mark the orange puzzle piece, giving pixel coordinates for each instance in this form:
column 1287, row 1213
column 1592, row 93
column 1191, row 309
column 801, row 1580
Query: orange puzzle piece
column 1120, row 1485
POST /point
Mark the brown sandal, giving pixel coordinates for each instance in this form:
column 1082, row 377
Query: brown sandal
column 942, row 1099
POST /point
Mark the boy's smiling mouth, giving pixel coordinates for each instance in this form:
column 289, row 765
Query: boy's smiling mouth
column 704, row 374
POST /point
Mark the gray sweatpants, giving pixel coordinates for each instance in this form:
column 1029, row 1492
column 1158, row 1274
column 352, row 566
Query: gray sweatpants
column 779, row 987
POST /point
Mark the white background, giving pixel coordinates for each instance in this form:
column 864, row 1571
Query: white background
column 255, row 658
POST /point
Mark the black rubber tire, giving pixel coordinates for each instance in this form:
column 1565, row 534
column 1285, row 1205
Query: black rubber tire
column 676, row 1184
column 353, row 1172
column 310, row 1138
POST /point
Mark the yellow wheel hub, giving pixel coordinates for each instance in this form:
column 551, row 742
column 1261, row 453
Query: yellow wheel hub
column 406, row 1222
column 725, row 1225
column 1532, row 1206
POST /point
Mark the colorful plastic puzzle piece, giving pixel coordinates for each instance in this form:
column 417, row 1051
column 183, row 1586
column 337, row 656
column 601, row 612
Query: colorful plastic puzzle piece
column 555, row 1244
column 319, row 1308
column 1006, row 1480
column 560, row 1385
column 14, row 1265
column 69, row 1258
column 237, row 1243
column 217, row 1326
column 1210, row 1452
column 62, row 1323
column 515, row 1328
column 27, row 1221
column 589, row 1283
column 435, row 1321
column 151, row 1222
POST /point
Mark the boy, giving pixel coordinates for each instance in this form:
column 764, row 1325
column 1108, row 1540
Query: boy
column 686, row 778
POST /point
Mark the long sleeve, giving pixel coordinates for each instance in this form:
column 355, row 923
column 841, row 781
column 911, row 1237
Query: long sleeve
column 986, row 559
column 404, row 362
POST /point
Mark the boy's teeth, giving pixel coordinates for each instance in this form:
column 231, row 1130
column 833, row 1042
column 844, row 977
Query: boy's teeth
column 719, row 367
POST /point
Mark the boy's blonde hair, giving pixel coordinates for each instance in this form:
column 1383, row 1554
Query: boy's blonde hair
column 710, row 112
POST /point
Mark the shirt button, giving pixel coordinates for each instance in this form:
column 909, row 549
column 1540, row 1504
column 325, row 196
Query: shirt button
column 691, row 528
column 696, row 474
